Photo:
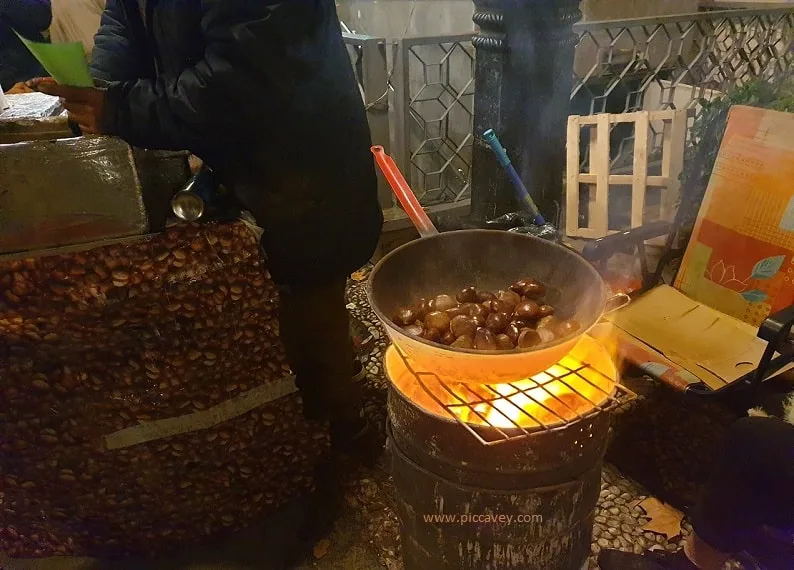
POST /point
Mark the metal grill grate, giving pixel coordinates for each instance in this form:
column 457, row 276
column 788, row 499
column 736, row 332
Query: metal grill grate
column 471, row 405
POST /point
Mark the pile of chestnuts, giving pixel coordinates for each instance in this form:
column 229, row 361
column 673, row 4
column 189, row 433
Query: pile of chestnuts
column 516, row 318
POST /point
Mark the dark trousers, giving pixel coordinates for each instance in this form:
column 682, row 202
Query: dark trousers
column 751, row 487
column 315, row 331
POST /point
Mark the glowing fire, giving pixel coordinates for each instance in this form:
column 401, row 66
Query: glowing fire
column 548, row 398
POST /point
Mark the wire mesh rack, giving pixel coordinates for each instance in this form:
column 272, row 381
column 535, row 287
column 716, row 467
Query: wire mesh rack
column 556, row 399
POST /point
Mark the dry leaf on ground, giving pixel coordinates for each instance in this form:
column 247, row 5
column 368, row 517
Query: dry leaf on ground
column 360, row 275
column 636, row 503
column 664, row 519
column 321, row 548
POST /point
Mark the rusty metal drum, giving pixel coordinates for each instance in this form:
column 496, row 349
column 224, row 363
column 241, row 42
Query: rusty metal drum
column 525, row 501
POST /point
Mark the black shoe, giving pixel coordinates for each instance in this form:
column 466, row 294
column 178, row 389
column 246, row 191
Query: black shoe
column 359, row 440
column 671, row 560
column 609, row 559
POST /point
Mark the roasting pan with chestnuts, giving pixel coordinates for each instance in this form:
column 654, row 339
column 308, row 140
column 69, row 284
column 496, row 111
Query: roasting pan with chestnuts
column 490, row 306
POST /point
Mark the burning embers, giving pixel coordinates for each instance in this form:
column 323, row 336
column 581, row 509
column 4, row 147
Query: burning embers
column 582, row 383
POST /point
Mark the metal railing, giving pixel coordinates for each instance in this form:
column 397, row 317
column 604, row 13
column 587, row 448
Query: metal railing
column 368, row 56
column 670, row 62
column 434, row 108
column 675, row 62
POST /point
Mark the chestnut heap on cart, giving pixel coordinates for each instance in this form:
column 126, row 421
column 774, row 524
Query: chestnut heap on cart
column 516, row 318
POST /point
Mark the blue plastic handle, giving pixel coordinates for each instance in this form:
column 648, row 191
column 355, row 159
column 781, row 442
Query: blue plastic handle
column 501, row 156
column 496, row 147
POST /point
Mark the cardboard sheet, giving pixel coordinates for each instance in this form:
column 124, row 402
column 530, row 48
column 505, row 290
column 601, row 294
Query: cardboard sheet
column 740, row 258
column 713, row 346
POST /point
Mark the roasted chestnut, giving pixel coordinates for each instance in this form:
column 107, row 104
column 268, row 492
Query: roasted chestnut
column 462, row 326
column 406, row 316
column 549, row 322
column 433, row 335
column 566, row 328
column 503, row 342
column 479, row 320
column 519, row 286
column 466, row 308
column 497, row 306
column 497, row 322
column 478, row 311
column 484, row 340
column 414, row 330
column 463, row 342
column 456, row 311
column 483, row 296
column 467, row 295
column 546, row 334
column 447, row 338
column 513, row 331
column 437, row 320
column 509, row 298
column 545, row 311
column 534, row 289
column 443, row 303
column 526, row 310
column 528, row 338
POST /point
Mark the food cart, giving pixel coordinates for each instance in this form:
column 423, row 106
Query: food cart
column 146, row 397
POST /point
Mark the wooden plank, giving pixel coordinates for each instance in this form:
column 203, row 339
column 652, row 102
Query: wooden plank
column 599, row 163
column 666, row 115
column 572, row 176
column 673, row 163
column 600, row 180
column 626, row 180
column 640, row 170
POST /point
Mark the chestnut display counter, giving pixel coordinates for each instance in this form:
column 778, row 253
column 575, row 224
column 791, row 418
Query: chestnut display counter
column 145, row 395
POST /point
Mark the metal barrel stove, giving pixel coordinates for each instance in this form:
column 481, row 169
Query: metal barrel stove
column 496, row 455
column 475, row 496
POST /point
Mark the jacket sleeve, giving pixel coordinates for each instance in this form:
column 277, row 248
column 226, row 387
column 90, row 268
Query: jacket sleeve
column 28, row 17
column 117, row 56
column 246, row 68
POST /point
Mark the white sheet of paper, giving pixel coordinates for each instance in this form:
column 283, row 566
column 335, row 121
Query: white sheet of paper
column 4, row 104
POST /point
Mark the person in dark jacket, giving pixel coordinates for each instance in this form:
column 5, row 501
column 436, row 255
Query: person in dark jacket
column 264, row 93
column 30, row 18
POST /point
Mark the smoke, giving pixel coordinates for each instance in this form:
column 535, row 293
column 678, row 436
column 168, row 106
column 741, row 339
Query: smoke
column 540, row 62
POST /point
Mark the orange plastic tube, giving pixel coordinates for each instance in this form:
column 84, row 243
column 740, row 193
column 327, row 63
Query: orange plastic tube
column 404, row 193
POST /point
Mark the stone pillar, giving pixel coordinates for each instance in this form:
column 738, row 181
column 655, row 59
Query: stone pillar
column 525, row 52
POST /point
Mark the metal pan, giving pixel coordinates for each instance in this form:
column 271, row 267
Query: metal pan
column 490, row 260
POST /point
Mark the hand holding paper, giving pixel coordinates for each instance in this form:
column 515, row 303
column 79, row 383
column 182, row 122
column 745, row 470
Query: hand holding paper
column 85, row 104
